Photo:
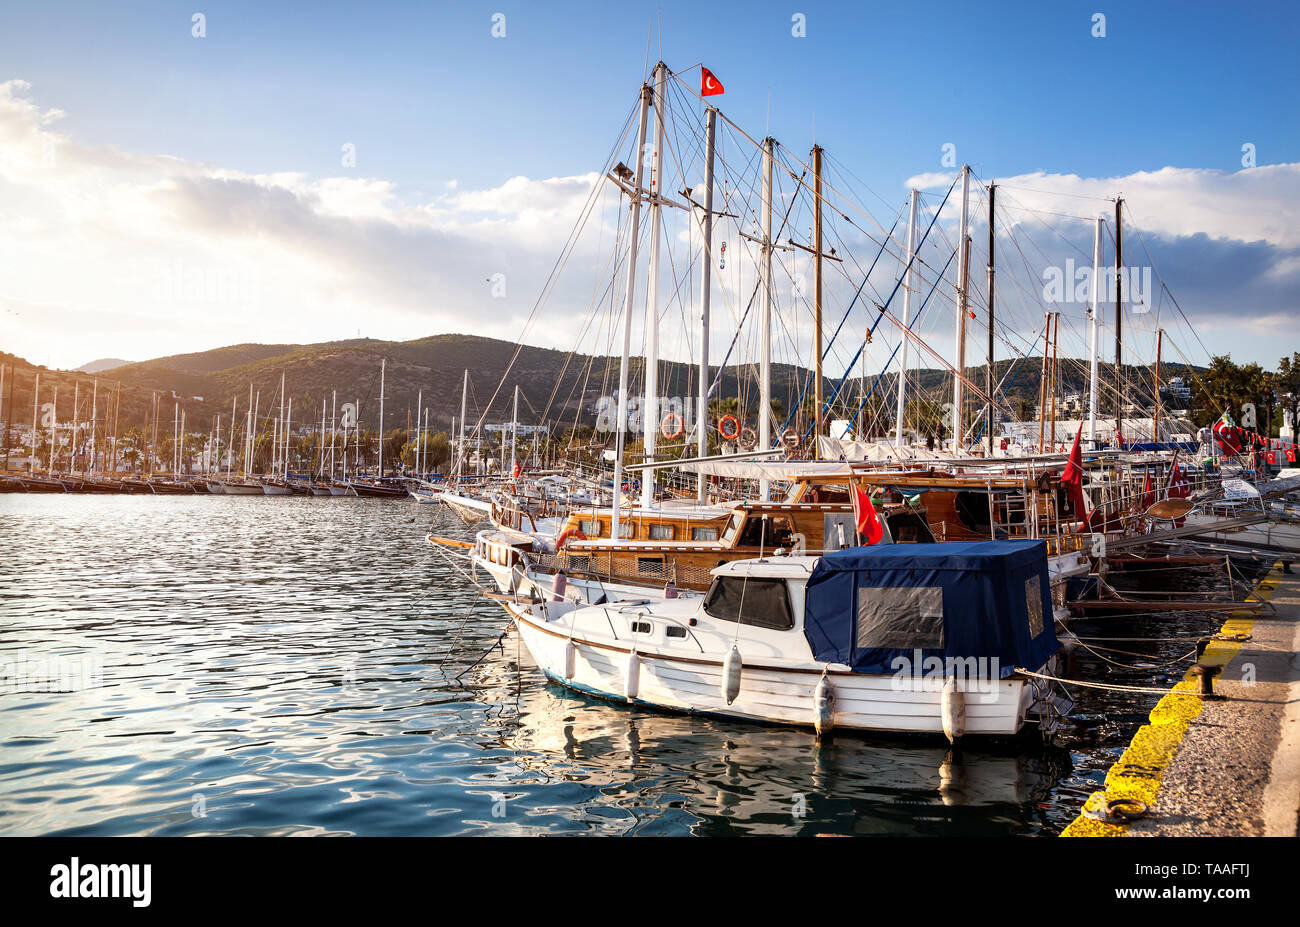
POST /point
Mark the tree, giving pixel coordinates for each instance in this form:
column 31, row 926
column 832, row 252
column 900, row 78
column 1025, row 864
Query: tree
column 1225, row 386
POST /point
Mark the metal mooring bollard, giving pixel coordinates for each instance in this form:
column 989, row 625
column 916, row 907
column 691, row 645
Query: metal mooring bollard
column 1205, row 673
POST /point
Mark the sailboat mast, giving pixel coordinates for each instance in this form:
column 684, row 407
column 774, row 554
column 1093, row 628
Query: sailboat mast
column 334, row 426
column 36, row 405
column 76, row 418
column 54, row 429
column 650, row 403
column 988, row 373
column 514, row 433
column 9, row 413
column 1155, row 423
column 460, row 449
column 1094, row 329
column 620, row 425
column 907, row 317
column 765, row 348
column 963, row 282
column 279, row 435
column 94, row 431
column 817, row 295
column 419, row 433
column 706, row 293
column 383, row 364
column 1119, row 319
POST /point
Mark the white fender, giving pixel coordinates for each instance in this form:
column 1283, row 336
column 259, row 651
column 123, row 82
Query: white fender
column 953, row 710
column 824, row 706
column 632, row 679
column 731, row 668
column 570, row 658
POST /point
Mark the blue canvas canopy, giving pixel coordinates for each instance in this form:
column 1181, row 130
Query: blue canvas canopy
column 865, row 606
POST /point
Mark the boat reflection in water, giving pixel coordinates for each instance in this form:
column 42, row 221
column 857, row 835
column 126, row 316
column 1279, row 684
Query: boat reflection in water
column 651, row 773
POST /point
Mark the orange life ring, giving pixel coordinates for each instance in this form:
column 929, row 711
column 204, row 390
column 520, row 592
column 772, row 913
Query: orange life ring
column 566, row 535
column 732, row 433
column 677, row 429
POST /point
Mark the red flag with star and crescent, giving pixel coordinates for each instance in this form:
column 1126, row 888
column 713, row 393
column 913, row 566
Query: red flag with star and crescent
column 709, row 85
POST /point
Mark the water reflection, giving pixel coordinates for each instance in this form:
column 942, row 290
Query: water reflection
column 307, row 666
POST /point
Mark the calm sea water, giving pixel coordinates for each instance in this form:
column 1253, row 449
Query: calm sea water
column 308, row 666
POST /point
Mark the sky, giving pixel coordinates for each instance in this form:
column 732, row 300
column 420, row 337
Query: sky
column 306, row 172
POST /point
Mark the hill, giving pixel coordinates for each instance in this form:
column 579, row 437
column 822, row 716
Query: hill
column 556, row 387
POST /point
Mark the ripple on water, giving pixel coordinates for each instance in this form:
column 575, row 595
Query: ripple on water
column 288, row 666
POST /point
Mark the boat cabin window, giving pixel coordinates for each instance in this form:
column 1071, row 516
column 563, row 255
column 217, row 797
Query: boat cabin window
column 909, row 528
column 590, row 527
column 661, row 532
column 900, row 618
column 762, row 603
column 729, row 533
column 827, row 492
column 626, row 531
column 770, row 532
column 704, row 534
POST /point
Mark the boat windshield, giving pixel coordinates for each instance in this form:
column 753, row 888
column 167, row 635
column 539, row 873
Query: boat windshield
column 762, row 603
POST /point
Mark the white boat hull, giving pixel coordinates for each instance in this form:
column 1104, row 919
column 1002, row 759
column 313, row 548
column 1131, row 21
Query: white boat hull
column 243, row 489
column 772, row 690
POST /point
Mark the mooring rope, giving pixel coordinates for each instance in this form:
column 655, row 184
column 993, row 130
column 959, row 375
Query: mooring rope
column 1110, row 686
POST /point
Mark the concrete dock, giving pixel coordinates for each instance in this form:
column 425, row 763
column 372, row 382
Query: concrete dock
column 1226, row 766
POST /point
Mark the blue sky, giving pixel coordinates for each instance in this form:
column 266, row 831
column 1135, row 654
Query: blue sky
column 430, row 98
column 426, row 93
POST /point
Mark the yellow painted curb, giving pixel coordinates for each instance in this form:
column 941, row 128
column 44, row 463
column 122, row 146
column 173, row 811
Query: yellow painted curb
column 1142, row 766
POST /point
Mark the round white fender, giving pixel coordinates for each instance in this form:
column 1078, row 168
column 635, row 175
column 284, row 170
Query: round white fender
column 632, row 679
column 731, row 675
column 570, row 658
column 824, row 701
column 954, row 710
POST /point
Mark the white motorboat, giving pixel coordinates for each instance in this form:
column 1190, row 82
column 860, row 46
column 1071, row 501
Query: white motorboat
column 921, row 638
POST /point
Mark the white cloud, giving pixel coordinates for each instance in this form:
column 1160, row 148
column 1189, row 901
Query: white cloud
column 105, row 252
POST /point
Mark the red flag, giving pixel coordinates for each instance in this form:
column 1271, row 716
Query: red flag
column 709, row 85
column 1178, row 488
column 1148, row 491
column 1227, row 436
column 1072, row 478
column 865, row 518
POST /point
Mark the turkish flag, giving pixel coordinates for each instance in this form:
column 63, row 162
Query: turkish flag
column 1227, row 436
column 1148, row 491
column 865, row 518
column 1290, row 455
column 709, row 85
column 1072, row 478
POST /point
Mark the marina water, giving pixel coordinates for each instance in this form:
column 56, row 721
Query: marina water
column 248, row 665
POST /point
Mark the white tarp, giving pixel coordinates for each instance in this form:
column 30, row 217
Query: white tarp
column 837, row 449
column 766, row 469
